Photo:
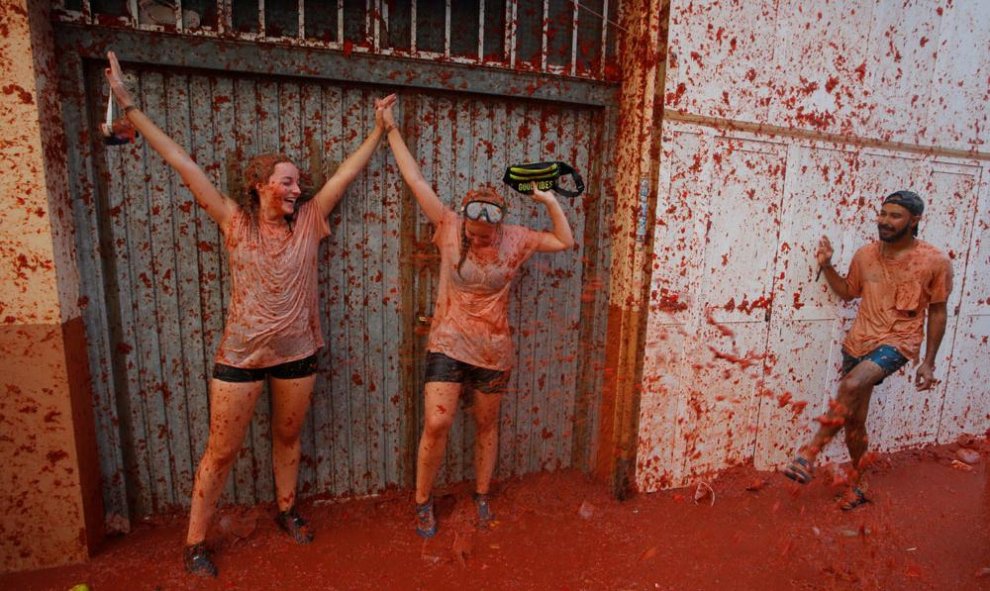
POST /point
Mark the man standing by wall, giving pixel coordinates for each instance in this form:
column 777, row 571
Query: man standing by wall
column 898, row 277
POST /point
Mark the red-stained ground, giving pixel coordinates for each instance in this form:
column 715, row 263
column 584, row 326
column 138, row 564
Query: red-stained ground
column 928, row 528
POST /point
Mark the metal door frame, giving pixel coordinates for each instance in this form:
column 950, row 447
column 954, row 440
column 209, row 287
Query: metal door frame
column 81, row 45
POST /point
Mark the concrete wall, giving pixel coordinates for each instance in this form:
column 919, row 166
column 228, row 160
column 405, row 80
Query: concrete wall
column 783, row 121
column 50, row 509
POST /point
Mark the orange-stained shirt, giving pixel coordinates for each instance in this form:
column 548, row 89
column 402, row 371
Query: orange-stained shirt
column 273, row 316
column 895, row 296
column 471, row 317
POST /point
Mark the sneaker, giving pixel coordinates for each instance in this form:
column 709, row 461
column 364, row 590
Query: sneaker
column 198, row 560
column 482, row 502
column 426, row 522
column 291, row 523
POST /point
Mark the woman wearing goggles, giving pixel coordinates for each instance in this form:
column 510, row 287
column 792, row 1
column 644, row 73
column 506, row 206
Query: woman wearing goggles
column 470, row 347
column 479, row 211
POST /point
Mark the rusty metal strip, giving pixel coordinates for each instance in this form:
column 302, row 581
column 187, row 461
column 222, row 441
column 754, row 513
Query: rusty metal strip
column 807, row 134
column 226, row 55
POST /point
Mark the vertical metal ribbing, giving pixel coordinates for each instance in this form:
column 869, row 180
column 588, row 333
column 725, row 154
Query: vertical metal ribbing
column 510, row 31
column 368, row 34
column 302, row 20
column 604, row 51
column 481, row 31
column 412, row 27
column 574, row 37
column 446, row 31
column 225, row 16
column 544, row 41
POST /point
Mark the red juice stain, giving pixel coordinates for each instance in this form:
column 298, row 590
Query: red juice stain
column 673, row 98
column 861, row 71
column 798, row 304
column 56, row 455
column 25, row 97
column 669, row 301
column 784, row 399
column 722, row 329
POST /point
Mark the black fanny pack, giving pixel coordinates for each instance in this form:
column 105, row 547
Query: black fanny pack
column 543, row 176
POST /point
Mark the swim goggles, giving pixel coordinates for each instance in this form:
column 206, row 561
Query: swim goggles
column 483, row 210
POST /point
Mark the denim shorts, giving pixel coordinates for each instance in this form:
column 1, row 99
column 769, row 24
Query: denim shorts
column 291, row 370
column 888, row 358
column 440, row 368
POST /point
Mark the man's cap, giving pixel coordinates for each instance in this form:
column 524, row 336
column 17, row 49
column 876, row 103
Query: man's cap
column 908, row 200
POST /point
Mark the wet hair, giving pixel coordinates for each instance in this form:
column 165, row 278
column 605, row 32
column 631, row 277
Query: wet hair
column 257, row 172
column 482, row 193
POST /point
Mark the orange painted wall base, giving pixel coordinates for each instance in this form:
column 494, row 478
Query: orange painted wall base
column 50, row 504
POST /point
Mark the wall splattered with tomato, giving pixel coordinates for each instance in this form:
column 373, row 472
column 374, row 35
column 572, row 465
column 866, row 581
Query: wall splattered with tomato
column 44, row 409
column 784, row 121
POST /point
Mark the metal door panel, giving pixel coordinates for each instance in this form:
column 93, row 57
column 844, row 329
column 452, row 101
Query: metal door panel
column 967, row 406
column 169, row 287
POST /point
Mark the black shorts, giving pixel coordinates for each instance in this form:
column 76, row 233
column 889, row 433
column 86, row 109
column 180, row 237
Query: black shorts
column 291, row 370
column 440, row 368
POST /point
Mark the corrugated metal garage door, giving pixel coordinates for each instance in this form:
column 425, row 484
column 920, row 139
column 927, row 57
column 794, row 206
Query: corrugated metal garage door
column 160, row 286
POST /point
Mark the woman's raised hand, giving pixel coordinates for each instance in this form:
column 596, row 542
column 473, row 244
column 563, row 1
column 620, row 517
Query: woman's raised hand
column 116, row 79
column 383, row 112
column 543, row 197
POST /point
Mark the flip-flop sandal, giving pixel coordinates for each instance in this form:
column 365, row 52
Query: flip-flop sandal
column 799, row 470
column 854, row 497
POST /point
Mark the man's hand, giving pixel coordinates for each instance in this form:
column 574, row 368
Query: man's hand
column 824, row 252
column 925, row 377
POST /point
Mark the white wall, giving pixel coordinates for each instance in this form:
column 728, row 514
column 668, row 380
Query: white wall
column 841, row 103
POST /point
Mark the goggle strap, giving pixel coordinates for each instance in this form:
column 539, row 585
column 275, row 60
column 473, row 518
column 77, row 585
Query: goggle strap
column 110, row 110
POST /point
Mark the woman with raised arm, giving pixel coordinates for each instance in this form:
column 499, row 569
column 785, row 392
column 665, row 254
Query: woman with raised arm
column 470, row 348
column 272, row 330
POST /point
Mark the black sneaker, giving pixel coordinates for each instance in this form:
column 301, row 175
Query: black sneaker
column 426, row 522
column 198, row 560
column 291, row 523
column 482, row 502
